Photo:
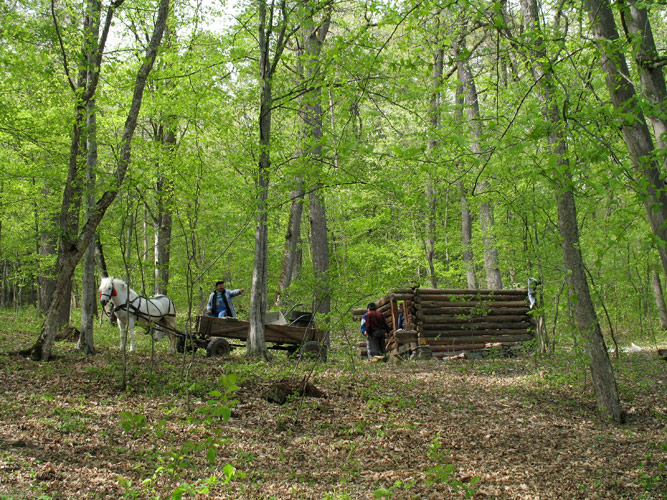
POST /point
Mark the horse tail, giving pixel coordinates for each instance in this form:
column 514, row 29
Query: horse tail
column 170, row 318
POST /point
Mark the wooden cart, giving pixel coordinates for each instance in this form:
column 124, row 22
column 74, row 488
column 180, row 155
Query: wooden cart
column 214, row 335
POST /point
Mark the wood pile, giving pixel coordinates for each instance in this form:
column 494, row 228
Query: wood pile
column 451, row 322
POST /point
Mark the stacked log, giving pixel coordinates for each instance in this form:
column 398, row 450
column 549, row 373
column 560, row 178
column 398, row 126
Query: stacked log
column 452, row 321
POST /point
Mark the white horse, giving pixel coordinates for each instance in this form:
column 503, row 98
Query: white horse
column 131, row 309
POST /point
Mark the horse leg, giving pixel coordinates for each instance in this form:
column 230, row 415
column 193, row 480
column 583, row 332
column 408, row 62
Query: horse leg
column 131, row 322
column 170, row 326
column 121, row 327
column 172, row 342
column 159, row 334
column 126, row 326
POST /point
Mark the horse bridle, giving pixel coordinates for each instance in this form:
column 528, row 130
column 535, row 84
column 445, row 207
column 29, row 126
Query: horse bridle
column 108, row 294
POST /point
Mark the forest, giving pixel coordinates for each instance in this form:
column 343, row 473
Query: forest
column 319, row 154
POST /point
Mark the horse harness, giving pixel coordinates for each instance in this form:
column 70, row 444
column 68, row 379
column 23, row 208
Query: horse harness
column 132, row 308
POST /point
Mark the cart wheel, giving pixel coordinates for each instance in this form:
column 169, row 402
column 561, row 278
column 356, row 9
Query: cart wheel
column 181, row 345
column 313, row 349
column 218, row 347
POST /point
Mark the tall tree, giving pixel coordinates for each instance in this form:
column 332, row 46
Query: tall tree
column 72, row 253
column 466, row 214
column 165, row 136
column 602, row 374
column 164, row 188
column 466, row 238
column 471, row 104
column 314, row 35
column 271, row 18
column 432, row 145
column 88, row 295
column 636, row 134
column 84, row 88
column 48, row 247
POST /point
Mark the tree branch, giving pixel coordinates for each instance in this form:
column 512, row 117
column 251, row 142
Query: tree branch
column 62, row 46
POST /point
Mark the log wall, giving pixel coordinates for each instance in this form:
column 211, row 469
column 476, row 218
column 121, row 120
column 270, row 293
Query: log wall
column 451, row 321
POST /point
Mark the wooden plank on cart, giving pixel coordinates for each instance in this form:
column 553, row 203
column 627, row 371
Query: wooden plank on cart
column 221, row 327
column 239, row 329
column 291, row 334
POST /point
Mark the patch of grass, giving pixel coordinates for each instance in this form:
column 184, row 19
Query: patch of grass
column 399, row 487
column 69, row 420
column 352, row 466
column 653, row 477
column 443, row 473
column 338, row 495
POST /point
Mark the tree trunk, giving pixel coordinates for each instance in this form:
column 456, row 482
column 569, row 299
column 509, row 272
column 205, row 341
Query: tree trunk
column 466, row 239
column 256, row 345
column 88, row 289
column 88, row 286
column 292, row 242
column 466, row 216
column 659, row 299
column 320, row 243
column 636, row 134
column 602, row 374
column 162, row 251
column 312, row 118
column 88, row 303
column 471, row 104
column 99, row 256
column 71, row 200
column 104, row 273
column 73, row 254
column 431, row 194
column 431, row 213
column 493, row 278
column 164, row 188
column 163, row 220
column 638, row 27
column 48, row 245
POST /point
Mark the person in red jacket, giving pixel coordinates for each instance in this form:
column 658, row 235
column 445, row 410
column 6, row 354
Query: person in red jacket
column 376, row 331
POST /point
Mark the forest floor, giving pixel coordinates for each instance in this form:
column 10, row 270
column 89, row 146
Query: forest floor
column 521, row 428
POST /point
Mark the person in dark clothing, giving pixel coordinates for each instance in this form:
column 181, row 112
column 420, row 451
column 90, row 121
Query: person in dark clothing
column 376, row 331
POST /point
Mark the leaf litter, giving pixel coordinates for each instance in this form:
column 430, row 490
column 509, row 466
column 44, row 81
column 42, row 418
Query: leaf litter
column 519, row 428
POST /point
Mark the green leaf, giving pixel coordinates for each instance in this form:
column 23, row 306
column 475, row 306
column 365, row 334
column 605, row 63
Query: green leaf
column 211, row 454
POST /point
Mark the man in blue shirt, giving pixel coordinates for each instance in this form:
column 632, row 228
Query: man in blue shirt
column 363, row 332
column 220, row 303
